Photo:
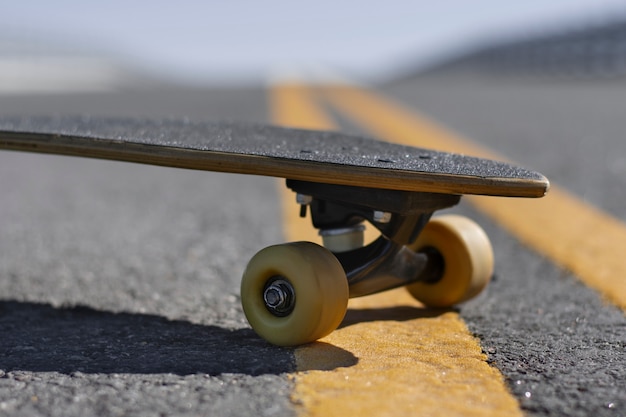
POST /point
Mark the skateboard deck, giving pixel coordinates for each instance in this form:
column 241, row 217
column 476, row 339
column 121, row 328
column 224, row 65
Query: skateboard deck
column 298, row 292
column 323, row 157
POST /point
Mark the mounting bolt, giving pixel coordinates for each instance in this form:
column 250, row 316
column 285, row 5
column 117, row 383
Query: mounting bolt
column 382, row 216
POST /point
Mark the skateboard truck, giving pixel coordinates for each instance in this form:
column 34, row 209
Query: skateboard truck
column 381, row 265
column 338, row 212
column 298, row 292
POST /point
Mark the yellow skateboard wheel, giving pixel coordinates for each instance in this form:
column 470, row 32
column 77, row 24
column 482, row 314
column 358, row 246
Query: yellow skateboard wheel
column 468, row 261
column 294, row 293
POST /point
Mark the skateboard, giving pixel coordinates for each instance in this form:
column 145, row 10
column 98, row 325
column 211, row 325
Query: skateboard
column 296, row 293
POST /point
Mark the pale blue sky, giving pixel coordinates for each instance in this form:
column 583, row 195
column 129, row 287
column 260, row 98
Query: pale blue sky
column 240, row 38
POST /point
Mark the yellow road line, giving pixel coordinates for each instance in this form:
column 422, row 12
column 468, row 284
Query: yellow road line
column 400, row 358
column 292, row 105
column 573, row 234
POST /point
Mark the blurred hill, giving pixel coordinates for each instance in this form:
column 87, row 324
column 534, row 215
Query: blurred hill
column 578, row 51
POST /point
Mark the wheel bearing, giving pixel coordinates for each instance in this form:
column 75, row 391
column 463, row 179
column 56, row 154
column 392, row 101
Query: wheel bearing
column 279, row 296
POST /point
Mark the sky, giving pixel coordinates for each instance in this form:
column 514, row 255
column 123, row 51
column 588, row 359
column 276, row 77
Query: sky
column 239, row 39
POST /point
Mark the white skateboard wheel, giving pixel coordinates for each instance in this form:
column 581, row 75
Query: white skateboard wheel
column 468, row 261
column 306, row 289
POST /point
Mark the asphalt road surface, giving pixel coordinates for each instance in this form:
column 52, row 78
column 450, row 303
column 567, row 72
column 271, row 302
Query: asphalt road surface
column 119, row 282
